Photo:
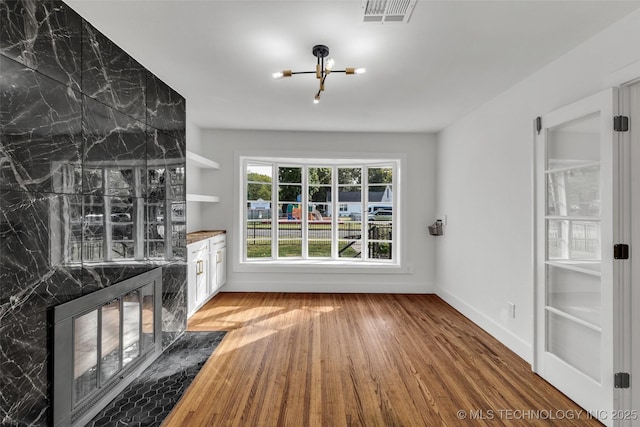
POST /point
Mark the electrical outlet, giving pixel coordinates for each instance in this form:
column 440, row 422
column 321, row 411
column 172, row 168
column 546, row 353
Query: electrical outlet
column 512, row 309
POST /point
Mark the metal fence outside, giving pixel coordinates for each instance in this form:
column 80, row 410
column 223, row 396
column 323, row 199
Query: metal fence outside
column 260, row 233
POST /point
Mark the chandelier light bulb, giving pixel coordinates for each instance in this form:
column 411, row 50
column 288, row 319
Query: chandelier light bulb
column 316, row 99
column 360, row 70
column 330, row 64
column 281, row 74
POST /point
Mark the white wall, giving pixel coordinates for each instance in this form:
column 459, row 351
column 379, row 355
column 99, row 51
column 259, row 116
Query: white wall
column 418, row 193
column 485, row 185
column 194, row 178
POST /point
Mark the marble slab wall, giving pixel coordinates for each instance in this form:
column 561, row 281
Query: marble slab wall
column 92, row 186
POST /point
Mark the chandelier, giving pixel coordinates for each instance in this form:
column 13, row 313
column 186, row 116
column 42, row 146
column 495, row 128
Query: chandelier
column 323, row 69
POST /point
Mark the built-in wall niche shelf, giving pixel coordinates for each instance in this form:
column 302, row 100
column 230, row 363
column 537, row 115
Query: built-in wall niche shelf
column 202, row 198
column 201, row 161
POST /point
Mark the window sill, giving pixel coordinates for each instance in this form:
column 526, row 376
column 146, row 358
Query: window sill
column 320, row 266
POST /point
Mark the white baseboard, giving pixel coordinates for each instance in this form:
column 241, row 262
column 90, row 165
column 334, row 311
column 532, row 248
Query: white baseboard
column 335, row 287
column 506, row 337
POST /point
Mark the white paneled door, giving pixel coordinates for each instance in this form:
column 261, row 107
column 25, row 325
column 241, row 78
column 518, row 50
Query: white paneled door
column 576, row 226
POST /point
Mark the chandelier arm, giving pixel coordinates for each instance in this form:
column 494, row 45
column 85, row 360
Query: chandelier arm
column 313, row 72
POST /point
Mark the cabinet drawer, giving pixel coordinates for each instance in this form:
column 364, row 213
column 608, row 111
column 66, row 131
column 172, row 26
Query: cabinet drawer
column 197, row 250
column 217, row 242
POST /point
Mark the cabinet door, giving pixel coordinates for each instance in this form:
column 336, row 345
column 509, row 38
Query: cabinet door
column 198, row 273
column 202, row 278
column 221, row 269
column 211, row 280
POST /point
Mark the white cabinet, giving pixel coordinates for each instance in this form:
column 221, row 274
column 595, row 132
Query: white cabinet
column 198, row 270
column 207, row 271
column 218, row 261
column 201, row 162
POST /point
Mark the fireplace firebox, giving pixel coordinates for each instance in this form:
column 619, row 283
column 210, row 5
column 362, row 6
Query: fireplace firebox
column 101, row 342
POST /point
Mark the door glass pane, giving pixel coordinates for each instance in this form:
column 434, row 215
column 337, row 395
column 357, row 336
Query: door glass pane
column 110, row 351
column 557, row 239
column 574, row 192
column 574, row 343
column 131, row 327
column 573, row 240
column 575, row 143
column 85, row 355
column 575, row 293
column 585, row 240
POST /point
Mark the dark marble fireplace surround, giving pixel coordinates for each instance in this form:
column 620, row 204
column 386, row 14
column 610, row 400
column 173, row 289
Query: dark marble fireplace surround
column 92, row 186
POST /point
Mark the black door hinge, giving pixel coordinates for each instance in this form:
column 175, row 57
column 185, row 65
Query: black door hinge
column 620, row 251
column 621, row 380
column 538, row 124
column 621, row 123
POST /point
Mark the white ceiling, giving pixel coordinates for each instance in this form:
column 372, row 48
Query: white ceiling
column 450, row 58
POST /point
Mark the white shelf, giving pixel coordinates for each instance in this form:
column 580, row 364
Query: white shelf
column 201, row 162
column 202, row 198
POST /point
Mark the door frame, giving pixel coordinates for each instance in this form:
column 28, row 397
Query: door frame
column 629, row 318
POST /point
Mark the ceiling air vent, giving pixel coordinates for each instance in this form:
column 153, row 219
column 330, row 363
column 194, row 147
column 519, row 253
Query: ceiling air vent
column 383, row 11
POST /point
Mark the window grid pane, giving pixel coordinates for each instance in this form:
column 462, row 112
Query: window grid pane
column 306, row 224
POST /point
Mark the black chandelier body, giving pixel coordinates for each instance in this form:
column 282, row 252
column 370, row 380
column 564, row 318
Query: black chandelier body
column 323, row 69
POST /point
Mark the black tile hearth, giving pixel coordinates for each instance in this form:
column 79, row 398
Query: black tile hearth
column 150, row 397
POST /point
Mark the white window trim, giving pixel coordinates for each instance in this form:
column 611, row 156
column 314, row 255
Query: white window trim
column 395, row 266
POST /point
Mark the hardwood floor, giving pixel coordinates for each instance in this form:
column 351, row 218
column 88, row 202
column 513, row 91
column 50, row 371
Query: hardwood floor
column 360, row 360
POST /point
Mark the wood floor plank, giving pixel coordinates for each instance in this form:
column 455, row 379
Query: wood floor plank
column 360, row 360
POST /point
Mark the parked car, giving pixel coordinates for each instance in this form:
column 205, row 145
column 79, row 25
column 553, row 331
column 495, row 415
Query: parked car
column 381, row 215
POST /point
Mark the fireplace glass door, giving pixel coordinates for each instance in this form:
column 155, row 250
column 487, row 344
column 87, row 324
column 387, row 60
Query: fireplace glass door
column 109, row 338
column 110, row 351
column 85, row 338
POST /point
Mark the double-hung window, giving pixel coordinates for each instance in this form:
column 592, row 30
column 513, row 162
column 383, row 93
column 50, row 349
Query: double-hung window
column 315, row 211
